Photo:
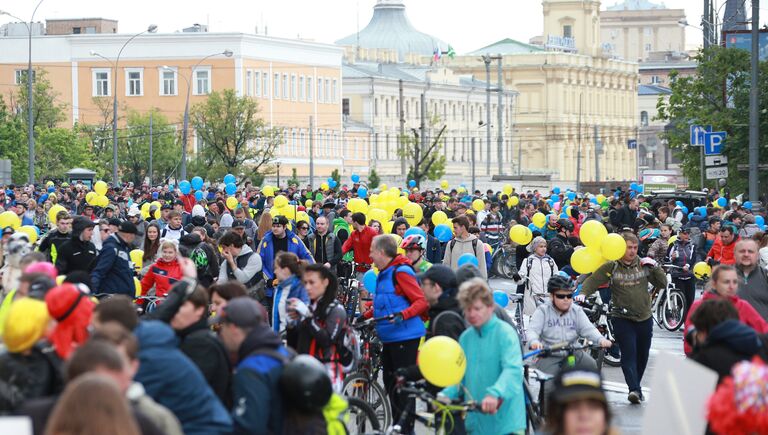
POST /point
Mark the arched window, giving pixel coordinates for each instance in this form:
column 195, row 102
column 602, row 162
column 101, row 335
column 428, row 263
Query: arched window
column 644, row 119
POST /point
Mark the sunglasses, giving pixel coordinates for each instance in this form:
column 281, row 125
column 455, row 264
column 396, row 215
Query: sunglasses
column 303, row 228
column 563, row 296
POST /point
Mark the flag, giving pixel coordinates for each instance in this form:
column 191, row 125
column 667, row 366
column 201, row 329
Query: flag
column 450, row 52
column 436, row 54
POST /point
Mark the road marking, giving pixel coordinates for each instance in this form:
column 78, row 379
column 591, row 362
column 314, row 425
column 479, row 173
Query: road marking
column 620, row 387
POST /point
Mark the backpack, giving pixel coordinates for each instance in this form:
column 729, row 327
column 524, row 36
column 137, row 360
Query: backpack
column 348, row 344
column 529, row 264
column 474, row 245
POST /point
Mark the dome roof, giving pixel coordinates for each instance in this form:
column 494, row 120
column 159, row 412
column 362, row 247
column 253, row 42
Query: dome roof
column 390, row 28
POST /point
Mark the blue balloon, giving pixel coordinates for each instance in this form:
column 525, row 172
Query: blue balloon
column 633, row 186
column 703, row 211
column 355, row 178
column 369, row 281
column 679, row 203
column 747, row 205
column 197, row 183
column 467, row 259
column 362, row 192
column 501, row 298
column 564, row 215
column 332, row 183
column 412, row 183
column 690, row 215
column 43, row 198
column 130, row 202
column 185, row 187
column 51, row 189
column 685, row 210
column 556, row 190
column 230, row 188
column 329, row 180
column 415, row 231
column 229, row 178
column 571, row 196
column 444, row 233
column 760, row 220
column 533, row 227
column 199, row 195
column 593, row 200
column 722, row 202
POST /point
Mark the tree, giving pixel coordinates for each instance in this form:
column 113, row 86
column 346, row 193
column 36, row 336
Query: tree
column 235, row 139
column 47, row 111
column 133, row 153
column 424, row 162
column 336, row 176
column 13, row 140
column 294, row 180
column 99, row 134
column 58, row 151
column 717, row 95
column 373, row 179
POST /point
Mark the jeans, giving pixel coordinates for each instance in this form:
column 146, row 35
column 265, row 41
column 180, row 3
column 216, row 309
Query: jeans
column 400, row 354
column 688, row 287
column 634, row 339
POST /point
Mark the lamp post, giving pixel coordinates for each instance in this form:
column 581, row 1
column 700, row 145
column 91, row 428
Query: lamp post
column 30, row 123
column 183, row 169
column 151, row 29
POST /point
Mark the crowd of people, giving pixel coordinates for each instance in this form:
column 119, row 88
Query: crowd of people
column 237, row 287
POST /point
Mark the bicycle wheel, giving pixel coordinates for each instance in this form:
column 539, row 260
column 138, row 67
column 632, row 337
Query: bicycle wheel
column 599, row 356
column 673, row 310
column 361, row 418
column 359, row 386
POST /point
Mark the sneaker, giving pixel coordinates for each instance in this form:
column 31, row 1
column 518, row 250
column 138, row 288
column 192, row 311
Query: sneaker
column 642, row 396
column 634, row 397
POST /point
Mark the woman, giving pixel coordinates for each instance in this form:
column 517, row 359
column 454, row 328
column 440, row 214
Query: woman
column 72, row 309
column 320, row 326
column 400, row 227
column 151, row 246
column 376, row 225
column 265, row 226
column 724, row 284
column 302, row 230
column 763, row 242
column 288, row 270
column 92, row 404
column 578, row 405
column 165, row 272
column 221, row 293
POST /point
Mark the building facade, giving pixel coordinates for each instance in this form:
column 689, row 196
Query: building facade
column 77, row 26
column 633, row 29
column 652, row 148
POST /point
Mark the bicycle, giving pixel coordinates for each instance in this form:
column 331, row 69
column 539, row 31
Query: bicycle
column 518, row 317
column 147, row 303
column 363, row 382
column 599, row 313
column 668, row 303
column 349, row 287
column 360, row 417
column 504, row 258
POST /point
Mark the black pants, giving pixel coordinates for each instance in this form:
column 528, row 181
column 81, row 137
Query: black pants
column 688, row 287
column 397, row 355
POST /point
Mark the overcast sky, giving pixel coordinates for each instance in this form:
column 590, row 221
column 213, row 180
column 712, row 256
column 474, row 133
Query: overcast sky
column 467, row 25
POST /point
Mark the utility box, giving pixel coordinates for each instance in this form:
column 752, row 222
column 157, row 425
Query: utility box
column 82, row 176
column 5, row 172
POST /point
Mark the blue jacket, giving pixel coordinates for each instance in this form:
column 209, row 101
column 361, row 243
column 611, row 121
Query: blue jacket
column 267, row 252
column 113, row 272
column 494, row 367
column 175, row 382
column 295, row 289
column 434, row 252
column 387, row 302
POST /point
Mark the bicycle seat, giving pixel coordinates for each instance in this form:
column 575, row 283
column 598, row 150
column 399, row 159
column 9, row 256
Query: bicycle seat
column 515, row 297
column 541, row 375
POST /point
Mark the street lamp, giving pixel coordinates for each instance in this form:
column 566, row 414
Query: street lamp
column 151, row 29
column 183, row 170
column 30, row 123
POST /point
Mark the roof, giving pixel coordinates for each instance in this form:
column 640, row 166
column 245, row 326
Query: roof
column 652, row 90
column 635, row 5
column 401, row 71
column 390, row 28
column 507, row 46
column 682, row 64
column 80, row 171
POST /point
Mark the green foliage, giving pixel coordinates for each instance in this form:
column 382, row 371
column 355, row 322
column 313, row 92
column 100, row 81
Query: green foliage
column 13, row 143
column 700, row 99
column 336, row 176
column 235, row 139
column 47, row 112
column 294, row 180
column 133, row 152
column 58, row 150
column 99, row 135
column 373, row 179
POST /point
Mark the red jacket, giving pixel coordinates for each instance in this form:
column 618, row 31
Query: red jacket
column 162, row 275
column 747, row 315
column 360, row 242
column 723, row 253
column 189, row 202
column 408, row 286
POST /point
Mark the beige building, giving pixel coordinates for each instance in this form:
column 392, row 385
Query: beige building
column 633, row 29
column 77, row 26
column 652, row 148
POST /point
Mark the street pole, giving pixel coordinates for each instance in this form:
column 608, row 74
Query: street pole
column 487, row 61
column 499, row 113
column 597, row 153
column 30, row 123
column 311, row 151
column 423, row 127
column 520, row 158
column 754, row 115
column 705, row 25
column 402, row 126
column 473, row 165
column 578, row 152
column 151, row 112
column 278, row 175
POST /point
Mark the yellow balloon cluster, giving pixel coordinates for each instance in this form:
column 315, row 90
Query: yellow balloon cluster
column 513, row 201
column 442, row 361
column 100, row 188
column 281, row 201
column 508, row 189
column 30, row 231
column 600, row 247
column 9, row 219
column 268, row 191
column 357, row 205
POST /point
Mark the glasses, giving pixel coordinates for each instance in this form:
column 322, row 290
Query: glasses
column 303, row 228
column 563, row 296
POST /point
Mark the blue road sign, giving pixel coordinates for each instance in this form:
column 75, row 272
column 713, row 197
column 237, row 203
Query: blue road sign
column 713, row 143
column 632, row 144
column 697, row 134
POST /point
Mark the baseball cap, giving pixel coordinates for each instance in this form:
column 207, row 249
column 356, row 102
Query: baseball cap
column 127, row 228
column 573, row 384
column 178, row 202
column 242, row 312
column 280, row 220
column 114, row 222
column 238, row 223
column 440, row 274
column 166, row 206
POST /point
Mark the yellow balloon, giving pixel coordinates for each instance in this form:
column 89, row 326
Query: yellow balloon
column 386, row 227
column 600, row 198
column 10, row 219
column 702, row 270
column 302, row 216
column 137, row 286
column 103, row 201
column 357, row 205
column 268, row 191
column 281, row 201
column 145, row 207
column 514, row 200
column 439, row 217
column 382, row 187
column 90, row 197
column 277, row 211
column 586, row 260
column 671, row 240
column 49, row 184
column 539, row 220
column 100, row 188
column 289, row 211
column 308, row 204
column 508, row 189
column 444, row 184
column 402, row 201
column 592, row 233
column 613, row 247
column 379, row 215
column 324, row 186
column 442, row 361
column 520, row 235
column 232, row 202
column 53, row 211
column 413, row 213
column 30, row 231
column 478, row 205
column 137, row 257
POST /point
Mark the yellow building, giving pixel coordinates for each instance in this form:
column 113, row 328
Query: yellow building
column 292, row 80
column 634, row 29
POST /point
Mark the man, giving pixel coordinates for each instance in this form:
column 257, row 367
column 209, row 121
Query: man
column 626, row 216
column 134, row 217
column 324, row 246
column 280, row 239
column 434, row 252
column 753, row 284
column 398, row 296
column 239, row 262
column 113, row 273
column 238, row 227
column 709, row 236
column 341, row 225
column 248, row 223
column 665, row 218
column 78, row 253
column 260, row 359
column 360, row 241
column 722, row 249
column 464, row 243
column 492, row 225
column 628, row 279
column 53, row 241
column 682, row 253
column 494, row 374
column 178, row 207
column 446, row 317
column 560, row 247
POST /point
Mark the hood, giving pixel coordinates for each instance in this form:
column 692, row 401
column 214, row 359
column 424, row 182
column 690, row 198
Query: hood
column 191, row 239
column 736, row 336
column 260, row 337
column 198, row 221
column 445, row 303
column 246, row 250
column 154, row 334
column 398, row 260
column 226, row 221
column 79, row 225
column 198, row 210
column 469, row 238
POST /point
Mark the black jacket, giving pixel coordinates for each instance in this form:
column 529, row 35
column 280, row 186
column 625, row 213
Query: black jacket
column 25, row 377
column 728, row 343
column 434, row 252
column 52, row 242
column 560, row 249
column 76, row 254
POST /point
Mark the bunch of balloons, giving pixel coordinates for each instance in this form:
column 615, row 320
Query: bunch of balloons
column 599, row 247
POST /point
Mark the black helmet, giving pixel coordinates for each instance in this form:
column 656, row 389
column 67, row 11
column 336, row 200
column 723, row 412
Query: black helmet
column 305, row 384
column 558, row 282
column 564, row 223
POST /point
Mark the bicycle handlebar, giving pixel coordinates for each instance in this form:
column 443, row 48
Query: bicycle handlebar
column 564, row 346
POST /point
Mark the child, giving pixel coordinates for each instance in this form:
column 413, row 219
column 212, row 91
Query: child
column 165, row 272
column 174, row 230
column 535, row 272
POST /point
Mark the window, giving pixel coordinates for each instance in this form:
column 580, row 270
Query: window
column 286, row 91
column 248, row 83
column 168, row 83
column 293, row 87
column 309, row 89
column 301, row 88
column 133, row 82
column 345, row 106
column 202, row 81
column 276, row 86
column 328, row 95
column 90, row 30
column 265, row 85
column 76, row 30
column 655, row 80
column 644, row 119
column 101, row 86
column 334, row 90
column 647, row 47
column 386, row 108
column 375, row 107
column 568, row 31
column 319, row 90
column 19, row 75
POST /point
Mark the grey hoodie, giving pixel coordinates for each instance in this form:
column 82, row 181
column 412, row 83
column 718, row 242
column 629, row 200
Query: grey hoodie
column 548, row 326
column 457, row 247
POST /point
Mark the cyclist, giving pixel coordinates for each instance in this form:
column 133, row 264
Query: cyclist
column 561, row 321
column 360, row 242
column 414, row 246
column 560, row 247
column 723, row 247
column 682, row 253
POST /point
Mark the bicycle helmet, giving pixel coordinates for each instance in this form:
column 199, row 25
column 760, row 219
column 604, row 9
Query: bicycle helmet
column 414, row 241
column 564, row 224
column 559, row 282
column 305, row 384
